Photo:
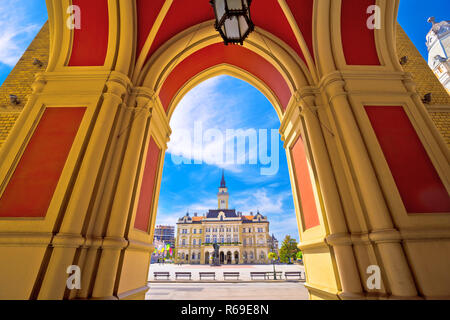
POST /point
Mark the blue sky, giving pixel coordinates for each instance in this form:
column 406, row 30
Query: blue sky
column 193, row 187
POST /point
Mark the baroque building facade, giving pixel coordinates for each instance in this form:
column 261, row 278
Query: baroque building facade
column 243, row 239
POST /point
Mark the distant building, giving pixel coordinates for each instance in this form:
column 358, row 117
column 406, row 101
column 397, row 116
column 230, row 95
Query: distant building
column 165, row 234
column 273, row 244
column 242, row 238
column 438, row 43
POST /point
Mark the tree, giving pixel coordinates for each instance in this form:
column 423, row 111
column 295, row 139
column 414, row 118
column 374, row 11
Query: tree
column 288, row 249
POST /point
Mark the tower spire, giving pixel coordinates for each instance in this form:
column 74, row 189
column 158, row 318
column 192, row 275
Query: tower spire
column 222, row 183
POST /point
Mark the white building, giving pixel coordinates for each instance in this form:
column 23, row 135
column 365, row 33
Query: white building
column 438, row 43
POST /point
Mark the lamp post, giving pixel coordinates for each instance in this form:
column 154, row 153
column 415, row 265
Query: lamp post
column 273, row 258
column 233, row 20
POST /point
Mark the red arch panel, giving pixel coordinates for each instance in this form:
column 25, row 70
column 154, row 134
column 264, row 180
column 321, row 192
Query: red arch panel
column 147, row 12
column 146, row 194
column 417, row 180
column 358, row 40
column 90, row 43
column 302, row 10
column 310, row 214
column 217, row 54
column 263, row 13
column 182, row 15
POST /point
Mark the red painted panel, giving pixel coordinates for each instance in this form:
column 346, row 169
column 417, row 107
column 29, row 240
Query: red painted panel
column 358, row 40
column 262, row 13
column 308, row 202
column 182, row 15
column 302, row 10
column 90, row 43
column 419, row 184
column 147, row 188
column 34, row 181
column 217, row 54
column 147, row 12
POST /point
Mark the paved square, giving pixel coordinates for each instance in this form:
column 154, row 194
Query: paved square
column 243, row 290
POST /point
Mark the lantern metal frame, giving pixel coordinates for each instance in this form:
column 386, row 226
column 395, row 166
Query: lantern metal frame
column 230, row 13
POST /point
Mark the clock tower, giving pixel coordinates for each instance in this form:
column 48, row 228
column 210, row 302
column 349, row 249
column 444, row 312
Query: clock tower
column 222, row 196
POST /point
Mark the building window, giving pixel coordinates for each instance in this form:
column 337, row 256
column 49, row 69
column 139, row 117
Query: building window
column 229, row 239
column 183, row 242
column 215, row 239
column 221, row 239
column 194, row 242
column 195, row 231
column 236, row 239
column 200, row 231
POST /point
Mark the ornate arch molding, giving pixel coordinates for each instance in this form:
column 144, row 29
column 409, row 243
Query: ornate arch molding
column 231, row 70
column 172, row 54
column 120, row 50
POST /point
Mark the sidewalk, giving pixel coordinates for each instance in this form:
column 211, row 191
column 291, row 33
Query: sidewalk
column 229, row 291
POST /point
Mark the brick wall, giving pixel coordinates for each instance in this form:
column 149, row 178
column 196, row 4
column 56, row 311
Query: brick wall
column 20, row 80
column 427, row 82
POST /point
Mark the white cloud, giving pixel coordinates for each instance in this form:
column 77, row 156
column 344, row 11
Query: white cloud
column 261, row 199
column 200, row 123
column 16, row 30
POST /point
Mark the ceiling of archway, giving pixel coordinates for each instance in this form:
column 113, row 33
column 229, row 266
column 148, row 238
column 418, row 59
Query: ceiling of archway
column 234, row 55
column 294, row 22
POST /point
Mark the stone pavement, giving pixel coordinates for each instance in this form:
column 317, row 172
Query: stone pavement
column 230, row 290
column 227, row 291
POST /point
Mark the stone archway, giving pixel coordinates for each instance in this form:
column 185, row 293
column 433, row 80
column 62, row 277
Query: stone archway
column 345, row 110
column 207, row 259
column 236, row 257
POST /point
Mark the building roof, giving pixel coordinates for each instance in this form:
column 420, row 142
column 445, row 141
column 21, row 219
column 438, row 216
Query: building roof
column 229, row 213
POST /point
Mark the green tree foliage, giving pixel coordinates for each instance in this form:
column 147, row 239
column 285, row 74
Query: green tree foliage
column 272, row 256
column 288, row 249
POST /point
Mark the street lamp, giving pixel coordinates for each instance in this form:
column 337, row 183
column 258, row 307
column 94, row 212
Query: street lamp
column 233, row 20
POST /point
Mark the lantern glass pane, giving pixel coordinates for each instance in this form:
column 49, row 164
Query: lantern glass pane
column 243, row 25
column 220, row 9
column 235, row 4
column 232, row 28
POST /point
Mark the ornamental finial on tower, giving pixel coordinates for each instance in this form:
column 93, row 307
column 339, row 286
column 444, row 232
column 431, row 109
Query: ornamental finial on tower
column 222, row 183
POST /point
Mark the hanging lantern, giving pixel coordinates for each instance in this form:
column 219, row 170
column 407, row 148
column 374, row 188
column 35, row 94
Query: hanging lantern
column 233, row 20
